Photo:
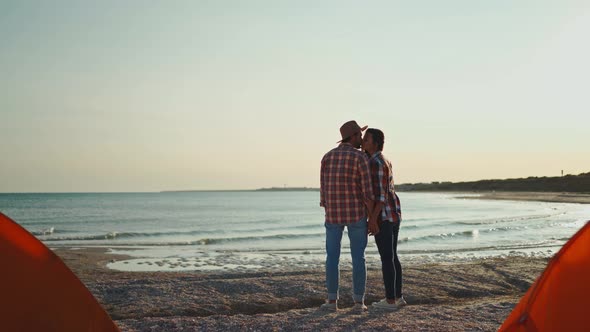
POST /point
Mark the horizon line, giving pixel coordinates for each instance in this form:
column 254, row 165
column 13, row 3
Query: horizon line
column 256, row 189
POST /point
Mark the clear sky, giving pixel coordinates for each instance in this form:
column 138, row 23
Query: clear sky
column 166, row 95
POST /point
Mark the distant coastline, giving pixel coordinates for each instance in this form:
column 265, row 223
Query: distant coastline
column 206, row 190
column 568, row 183
column 246, row 190
column 288, row 189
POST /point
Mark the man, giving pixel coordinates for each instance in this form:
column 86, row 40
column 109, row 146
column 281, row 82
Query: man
column 347, row 196
column 385, row 219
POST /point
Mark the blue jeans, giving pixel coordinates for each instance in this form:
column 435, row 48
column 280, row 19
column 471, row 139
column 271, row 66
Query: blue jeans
column 357, row 234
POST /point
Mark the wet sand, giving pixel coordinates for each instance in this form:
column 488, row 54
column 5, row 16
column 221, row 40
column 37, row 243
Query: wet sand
column 557, row 197
column 462, row 296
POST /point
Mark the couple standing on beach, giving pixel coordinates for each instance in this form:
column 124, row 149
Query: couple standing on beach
column 357, row 192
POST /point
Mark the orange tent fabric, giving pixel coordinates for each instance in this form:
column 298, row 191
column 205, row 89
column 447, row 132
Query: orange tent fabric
column 38, row 292
column 558, row 300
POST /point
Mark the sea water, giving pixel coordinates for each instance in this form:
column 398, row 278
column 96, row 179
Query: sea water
column 262, row 229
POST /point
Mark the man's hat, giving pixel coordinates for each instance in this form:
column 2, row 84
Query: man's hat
column 350, row 128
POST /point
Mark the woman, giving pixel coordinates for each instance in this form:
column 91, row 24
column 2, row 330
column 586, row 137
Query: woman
column 385, row 220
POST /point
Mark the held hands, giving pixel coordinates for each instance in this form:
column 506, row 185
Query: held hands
column 373, row 227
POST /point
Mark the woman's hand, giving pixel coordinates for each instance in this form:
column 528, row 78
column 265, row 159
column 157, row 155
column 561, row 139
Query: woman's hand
column 373, row 227
column 373, row 217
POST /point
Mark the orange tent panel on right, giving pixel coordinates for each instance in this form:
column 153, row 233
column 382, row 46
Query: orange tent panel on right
column 558, row 300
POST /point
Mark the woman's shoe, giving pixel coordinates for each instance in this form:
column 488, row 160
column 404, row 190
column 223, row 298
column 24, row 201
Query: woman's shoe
column 383, row 304
column 401, row 302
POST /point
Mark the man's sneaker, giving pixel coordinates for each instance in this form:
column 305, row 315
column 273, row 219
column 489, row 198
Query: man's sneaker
column 360, row 307
column 329, row 306
column 401, row 302
column 383, row 304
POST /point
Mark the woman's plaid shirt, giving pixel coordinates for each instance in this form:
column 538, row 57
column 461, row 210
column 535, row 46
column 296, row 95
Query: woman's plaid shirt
column 345, row 185
column 382, row 178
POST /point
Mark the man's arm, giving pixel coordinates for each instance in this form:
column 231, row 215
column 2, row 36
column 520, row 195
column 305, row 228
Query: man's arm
column 322, row 185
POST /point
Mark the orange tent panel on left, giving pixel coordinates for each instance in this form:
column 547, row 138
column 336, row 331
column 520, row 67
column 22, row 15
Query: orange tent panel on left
column 39, row 292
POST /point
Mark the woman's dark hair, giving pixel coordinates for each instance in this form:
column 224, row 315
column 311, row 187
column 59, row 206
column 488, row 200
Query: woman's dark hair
column 378, row 137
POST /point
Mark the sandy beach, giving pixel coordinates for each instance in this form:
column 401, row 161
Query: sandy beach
column 466, row 296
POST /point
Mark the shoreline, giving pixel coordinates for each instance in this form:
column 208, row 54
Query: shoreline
column 552, row 197
column 476, row 295
column 531, row 196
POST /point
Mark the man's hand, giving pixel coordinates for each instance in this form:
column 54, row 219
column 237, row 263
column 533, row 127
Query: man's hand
column 373, row 227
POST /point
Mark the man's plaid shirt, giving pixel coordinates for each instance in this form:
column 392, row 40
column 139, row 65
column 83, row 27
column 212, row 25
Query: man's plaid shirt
column 345, row 185
column 382, row 178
